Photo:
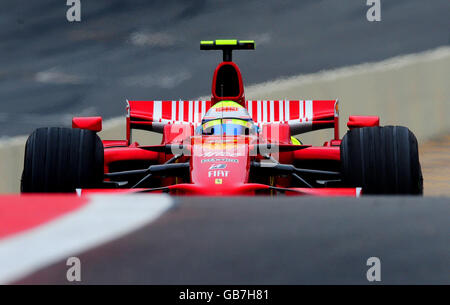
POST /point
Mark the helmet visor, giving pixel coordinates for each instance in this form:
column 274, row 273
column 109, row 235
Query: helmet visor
column 227, row 127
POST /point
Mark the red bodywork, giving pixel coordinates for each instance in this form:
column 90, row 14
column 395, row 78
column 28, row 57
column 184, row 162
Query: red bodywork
column 221, row 165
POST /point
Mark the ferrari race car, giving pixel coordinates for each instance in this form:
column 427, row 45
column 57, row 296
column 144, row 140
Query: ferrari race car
column 226, row 146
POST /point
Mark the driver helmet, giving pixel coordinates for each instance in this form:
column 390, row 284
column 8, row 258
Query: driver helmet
column 227, row 118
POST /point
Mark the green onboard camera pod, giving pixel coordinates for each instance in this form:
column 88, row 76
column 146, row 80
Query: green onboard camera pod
column 227, row 46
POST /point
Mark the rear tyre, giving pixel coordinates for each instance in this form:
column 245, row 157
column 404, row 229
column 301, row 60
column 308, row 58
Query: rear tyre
column 382, row 160
column 61, row 160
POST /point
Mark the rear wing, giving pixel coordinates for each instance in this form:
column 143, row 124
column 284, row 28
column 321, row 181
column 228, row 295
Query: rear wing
column 302, row 116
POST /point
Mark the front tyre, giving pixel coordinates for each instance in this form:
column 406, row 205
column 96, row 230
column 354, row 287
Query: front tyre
column 61, row 160
column 382, row 160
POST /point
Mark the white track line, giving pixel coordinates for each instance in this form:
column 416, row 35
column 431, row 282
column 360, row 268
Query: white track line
column 104, row 218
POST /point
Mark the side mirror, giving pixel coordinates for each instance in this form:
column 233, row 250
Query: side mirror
column 357, row 121
column 89, row 123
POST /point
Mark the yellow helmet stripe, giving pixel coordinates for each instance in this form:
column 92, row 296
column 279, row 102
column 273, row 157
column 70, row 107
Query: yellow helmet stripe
column 212, row 123
column 227, row 121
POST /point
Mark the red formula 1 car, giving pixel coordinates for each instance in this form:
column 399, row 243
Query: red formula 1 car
column 226, row 146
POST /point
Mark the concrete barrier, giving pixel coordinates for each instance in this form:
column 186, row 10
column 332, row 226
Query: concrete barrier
column 410, row 90
column 11, row 164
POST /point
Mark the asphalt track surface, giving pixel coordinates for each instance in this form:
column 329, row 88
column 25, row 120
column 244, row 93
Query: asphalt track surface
column 280, row 241
column 51, row 69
